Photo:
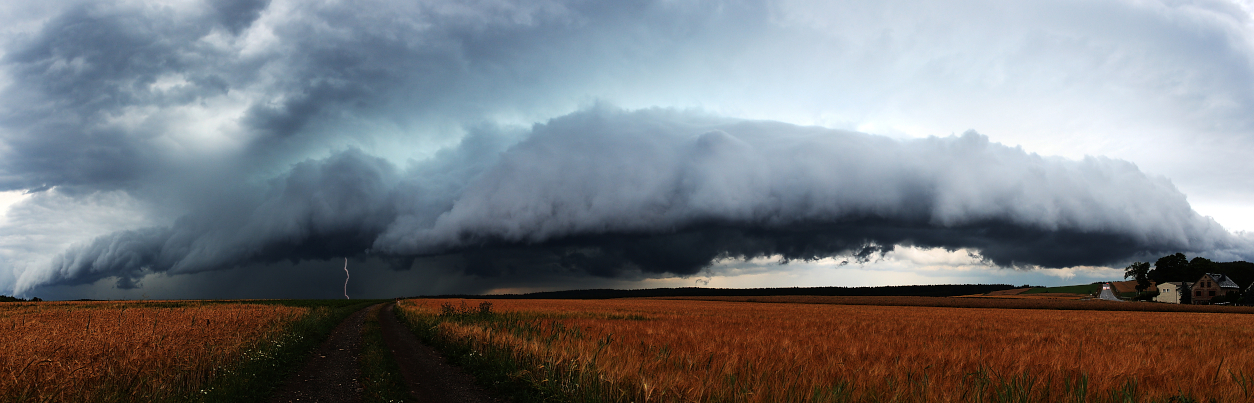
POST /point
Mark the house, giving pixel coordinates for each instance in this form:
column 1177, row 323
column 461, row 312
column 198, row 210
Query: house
column 1171, row 292
column 1213, row 285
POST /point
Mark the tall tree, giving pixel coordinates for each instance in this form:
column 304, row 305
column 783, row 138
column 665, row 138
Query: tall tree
column 1241, row 271
column 1140, row 272
column 1199, row 266
column 1171, row 268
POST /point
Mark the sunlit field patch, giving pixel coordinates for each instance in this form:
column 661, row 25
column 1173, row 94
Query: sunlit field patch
column 689, row 350
column 127, row 351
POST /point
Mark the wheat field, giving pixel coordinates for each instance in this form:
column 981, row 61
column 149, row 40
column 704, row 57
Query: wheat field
column 125, row 351
column 699, row 351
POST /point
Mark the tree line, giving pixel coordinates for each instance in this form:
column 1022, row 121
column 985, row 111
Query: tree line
column 6, row 298
column 944, row 290
column 1178, row 267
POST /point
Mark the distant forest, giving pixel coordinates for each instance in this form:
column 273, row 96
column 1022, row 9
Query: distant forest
column 1180, row 268
column 904, row 290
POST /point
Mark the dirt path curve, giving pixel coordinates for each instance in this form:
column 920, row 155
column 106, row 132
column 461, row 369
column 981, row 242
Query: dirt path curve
column 330, row 376
column 428, row 377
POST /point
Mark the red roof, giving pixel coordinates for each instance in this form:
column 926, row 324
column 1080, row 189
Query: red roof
column 1130, row 286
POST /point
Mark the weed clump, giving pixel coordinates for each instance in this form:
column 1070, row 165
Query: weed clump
column 462, row 311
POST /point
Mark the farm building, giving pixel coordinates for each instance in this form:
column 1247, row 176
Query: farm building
column 1125, row 287
column 1171, row 292
column 1213, row 285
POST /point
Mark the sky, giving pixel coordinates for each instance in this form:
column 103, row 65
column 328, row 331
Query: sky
column 245, row 149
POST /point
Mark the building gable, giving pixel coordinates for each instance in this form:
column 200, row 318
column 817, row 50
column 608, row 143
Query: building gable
column 1223, row 280
column 1212, row 285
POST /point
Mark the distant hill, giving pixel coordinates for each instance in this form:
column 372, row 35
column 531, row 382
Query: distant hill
column 1090, row 289
column 947, row 290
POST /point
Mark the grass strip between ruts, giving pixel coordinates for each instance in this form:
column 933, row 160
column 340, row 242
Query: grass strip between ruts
column 380, row 375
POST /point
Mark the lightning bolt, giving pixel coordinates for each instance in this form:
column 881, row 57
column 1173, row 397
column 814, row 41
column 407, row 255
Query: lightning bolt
column 346, row 277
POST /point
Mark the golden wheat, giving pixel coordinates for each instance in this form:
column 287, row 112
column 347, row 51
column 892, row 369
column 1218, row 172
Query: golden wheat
column 1023, row 301
column 111, row 351
column 689, row 350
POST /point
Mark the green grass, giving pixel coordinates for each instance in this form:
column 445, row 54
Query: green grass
column 1069, row 289
column 267, row 364
column 380, row 375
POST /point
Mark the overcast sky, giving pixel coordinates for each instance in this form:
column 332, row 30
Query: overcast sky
column 239, row 148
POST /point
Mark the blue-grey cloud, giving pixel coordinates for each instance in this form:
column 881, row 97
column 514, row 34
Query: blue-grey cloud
column 606, row 191
column 246, row 132
column 746, row 189
column 236, row 15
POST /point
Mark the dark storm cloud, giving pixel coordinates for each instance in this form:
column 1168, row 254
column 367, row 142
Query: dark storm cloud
column 319, row 210
column 442, row 60
column 97, row 90
column 606, row 191
column 82, row 71
column 669, row 191
column 236, row 15
column 264, row 132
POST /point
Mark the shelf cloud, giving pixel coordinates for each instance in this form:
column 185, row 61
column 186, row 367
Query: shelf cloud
column 555, row 141
column 667, row 191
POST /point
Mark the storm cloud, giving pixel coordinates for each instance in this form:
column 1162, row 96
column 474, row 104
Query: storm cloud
column 567, row 140
column 666, row 191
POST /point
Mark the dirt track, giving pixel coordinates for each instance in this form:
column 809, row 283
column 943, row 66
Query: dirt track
column 428, row 376
column 331, row 375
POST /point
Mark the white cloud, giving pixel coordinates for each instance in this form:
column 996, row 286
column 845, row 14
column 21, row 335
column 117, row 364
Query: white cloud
column 8, row 199
column 43, row 224
column 905, row 265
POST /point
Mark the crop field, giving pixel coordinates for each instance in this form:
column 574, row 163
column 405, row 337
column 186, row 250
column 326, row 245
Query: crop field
column 1066, row 302
column 1084, row 289
column 126, row 351
column 1052, row 295
column 1022, row 293
column 655, row 350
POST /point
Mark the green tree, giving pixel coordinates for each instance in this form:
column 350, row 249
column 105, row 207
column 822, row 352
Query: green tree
column 1171, row 268
column 1199, row 266
column 1140, row 272
column 1246, row 299
column 1241, row 272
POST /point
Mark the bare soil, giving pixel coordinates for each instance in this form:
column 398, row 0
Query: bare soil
column 427, row 374
column 330, row 376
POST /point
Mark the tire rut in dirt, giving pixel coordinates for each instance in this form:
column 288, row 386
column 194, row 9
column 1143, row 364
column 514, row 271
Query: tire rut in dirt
column 331, row 374
column 427, row 375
